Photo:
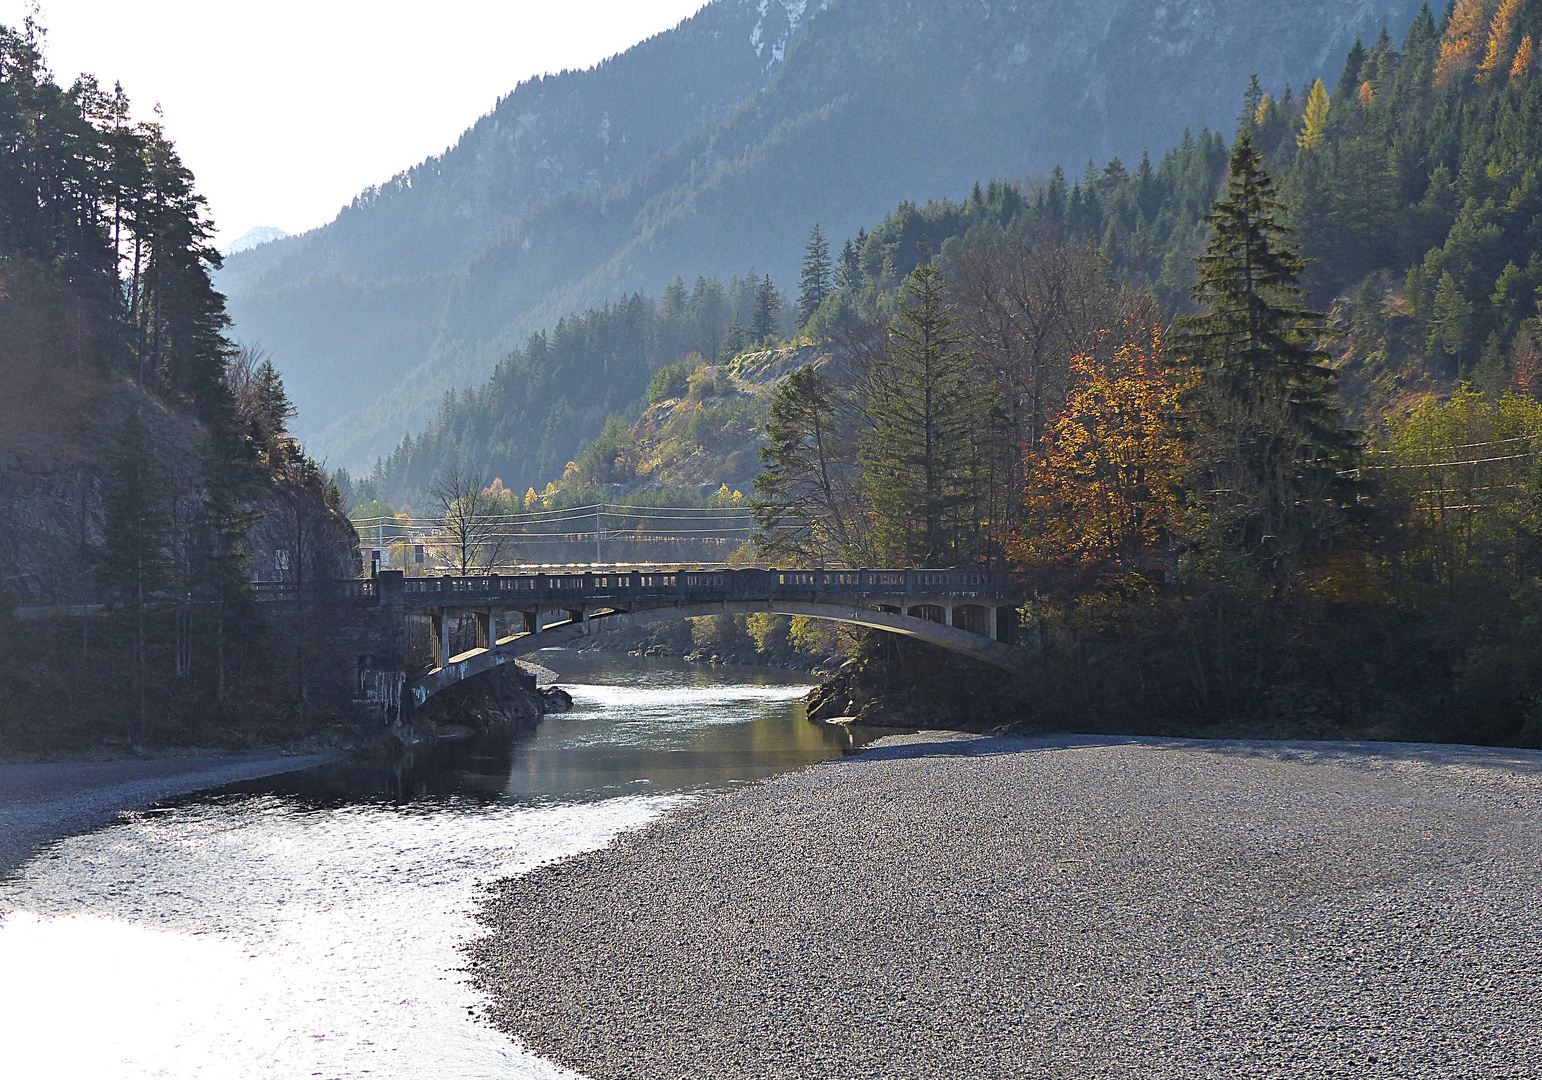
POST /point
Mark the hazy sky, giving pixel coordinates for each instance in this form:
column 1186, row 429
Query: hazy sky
column 285, row 109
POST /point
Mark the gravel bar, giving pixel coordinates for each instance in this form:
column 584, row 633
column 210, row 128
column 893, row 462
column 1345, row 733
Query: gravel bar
column 957, row 907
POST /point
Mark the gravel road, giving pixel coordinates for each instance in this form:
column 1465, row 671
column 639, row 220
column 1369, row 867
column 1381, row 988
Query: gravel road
column 44, row 802
column 945, row 907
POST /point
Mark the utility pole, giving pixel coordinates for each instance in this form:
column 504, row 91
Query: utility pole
column 598, row 533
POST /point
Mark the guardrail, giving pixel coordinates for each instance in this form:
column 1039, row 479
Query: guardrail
column 531, row 590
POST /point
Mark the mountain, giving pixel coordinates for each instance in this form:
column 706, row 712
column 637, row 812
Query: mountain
column 262, row 234
column 719, row 144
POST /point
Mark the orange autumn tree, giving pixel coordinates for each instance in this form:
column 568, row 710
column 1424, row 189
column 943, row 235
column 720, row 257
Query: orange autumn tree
column 1520, row 71
column 1103, row 486
column 1466, row 35
column 1498, row 58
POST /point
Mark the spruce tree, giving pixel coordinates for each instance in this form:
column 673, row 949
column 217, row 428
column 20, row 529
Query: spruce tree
column 814, row 285
column 733, row 340
column 1349, row 80
column 767, row 305
column 848, row 272
column 1270, row 437
column 916, row 460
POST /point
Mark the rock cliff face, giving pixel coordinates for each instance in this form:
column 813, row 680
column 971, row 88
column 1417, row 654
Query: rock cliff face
column 717, row 145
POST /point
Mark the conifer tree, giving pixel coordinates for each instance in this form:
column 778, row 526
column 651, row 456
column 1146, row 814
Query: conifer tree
column 1349, row 80
column 136, row 561
column 767, row 306
column 1252, row 104
column 733, row 340
column 1464, row 39
column 815, row 282
column 1315, row 123
column 806, row 507
column 848, row 273
column 1497, row 58
column 915, row 460
column 1271, row 441
column 1520, row 71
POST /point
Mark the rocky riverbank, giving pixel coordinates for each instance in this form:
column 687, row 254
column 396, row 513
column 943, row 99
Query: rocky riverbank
column 955, row 907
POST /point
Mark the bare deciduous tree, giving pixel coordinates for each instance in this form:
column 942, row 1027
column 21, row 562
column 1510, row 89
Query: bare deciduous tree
column 475, row 537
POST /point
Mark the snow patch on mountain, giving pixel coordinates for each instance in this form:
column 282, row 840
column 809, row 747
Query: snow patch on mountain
column 262, row 234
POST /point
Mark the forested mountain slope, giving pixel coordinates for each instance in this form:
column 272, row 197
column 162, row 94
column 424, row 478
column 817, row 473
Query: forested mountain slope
column 718, row 145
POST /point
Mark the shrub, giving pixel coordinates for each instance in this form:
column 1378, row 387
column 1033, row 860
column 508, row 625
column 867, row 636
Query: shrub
column 669, row 382
column 768, row 631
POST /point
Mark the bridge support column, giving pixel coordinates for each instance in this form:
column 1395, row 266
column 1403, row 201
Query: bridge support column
column 486, row 628
column 947, row 615
column 532, row 621
column 440, row 623
column 1006, row 622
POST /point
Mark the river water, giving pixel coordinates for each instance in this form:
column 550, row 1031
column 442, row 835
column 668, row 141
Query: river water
column 310, row 925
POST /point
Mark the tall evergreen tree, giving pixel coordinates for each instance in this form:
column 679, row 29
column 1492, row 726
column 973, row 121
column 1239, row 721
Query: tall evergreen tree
column 1349, row 80
column 136, row 562
column 917, row 458
column 848, row 272
column 767, row 306
column 807, row 504
column 814, row 285
column 1273, row 444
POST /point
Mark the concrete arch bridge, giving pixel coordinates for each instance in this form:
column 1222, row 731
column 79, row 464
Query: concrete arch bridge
column 970, row 612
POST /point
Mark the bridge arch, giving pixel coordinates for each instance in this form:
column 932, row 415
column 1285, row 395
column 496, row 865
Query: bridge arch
column 970, row 642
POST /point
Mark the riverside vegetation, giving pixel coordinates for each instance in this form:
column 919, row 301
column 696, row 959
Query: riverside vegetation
column 146, row 469
column 1309, row 506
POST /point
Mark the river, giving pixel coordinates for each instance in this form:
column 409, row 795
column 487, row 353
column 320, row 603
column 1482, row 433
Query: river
column 310, row 925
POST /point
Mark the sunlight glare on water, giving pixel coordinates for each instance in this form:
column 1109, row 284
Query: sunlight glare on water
column 311, row 925
column 271, row 941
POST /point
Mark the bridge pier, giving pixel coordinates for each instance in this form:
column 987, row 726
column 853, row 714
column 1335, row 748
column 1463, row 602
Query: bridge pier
column 439, row 623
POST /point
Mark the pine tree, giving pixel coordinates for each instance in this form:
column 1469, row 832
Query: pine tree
column 915, row 460
column 1349, row 80
column 1271, row 438
column 815, row 282
column 806, row 507
column 848, row 273
column 1252, row 104
column 733, row 340
column 1315, row 123
column 136, row 563
column 767, row 305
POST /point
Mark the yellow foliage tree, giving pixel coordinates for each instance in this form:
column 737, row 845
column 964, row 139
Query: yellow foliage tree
column 1265, row 107
column 1497, row 59
column 1464, row 37
column 1367, row 95
column 1316, row 122
column 1103, row 487
column 1464, row 470
column 532, row 500
column 1520, row 71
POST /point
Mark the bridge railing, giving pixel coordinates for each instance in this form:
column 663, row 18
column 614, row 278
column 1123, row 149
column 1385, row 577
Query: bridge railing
column 348, row 591
column 684, row 586
column 703, row 585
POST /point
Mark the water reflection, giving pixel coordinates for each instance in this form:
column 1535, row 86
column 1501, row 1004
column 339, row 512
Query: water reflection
column 310, row 925
column 638, row 726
